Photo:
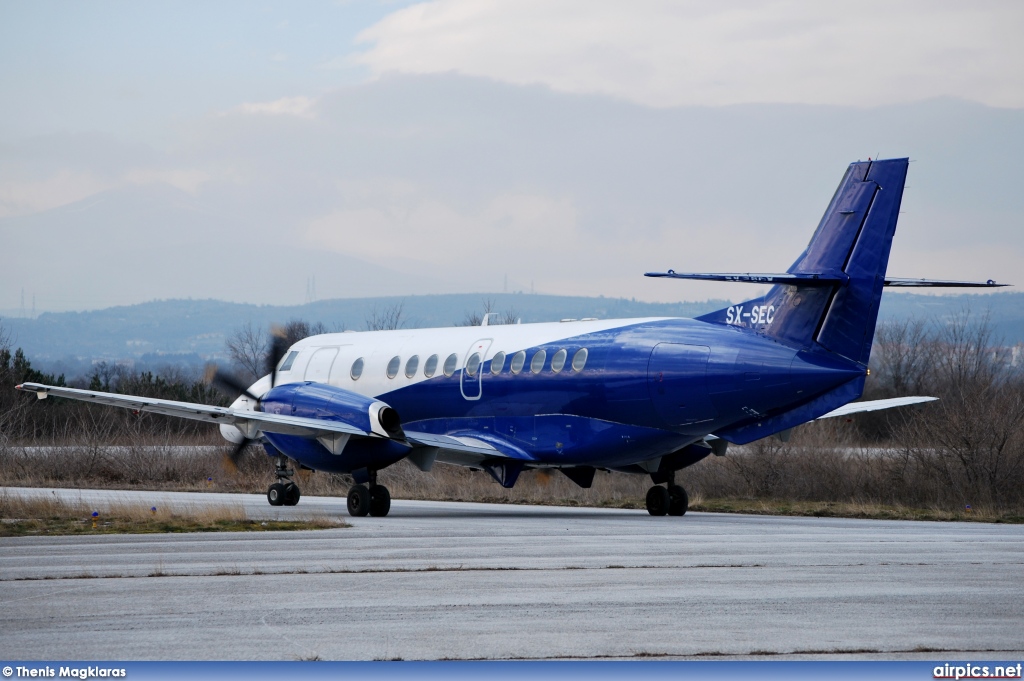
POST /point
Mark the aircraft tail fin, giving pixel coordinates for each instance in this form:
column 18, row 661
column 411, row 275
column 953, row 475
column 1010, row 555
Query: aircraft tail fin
column 831, row 294
column 829, row 297
column 851, row 246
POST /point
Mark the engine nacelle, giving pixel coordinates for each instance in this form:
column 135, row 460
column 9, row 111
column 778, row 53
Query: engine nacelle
column 322, row 401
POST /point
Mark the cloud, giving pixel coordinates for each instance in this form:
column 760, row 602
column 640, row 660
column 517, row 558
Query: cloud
column 23, row 197
column 421, row 184
column 398, row 224
column 302, row 107
column 187, row 180
column 668, row 53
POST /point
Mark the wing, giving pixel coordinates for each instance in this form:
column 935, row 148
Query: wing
column 249, row 422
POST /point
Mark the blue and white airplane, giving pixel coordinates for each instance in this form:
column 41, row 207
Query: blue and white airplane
column 647, row 396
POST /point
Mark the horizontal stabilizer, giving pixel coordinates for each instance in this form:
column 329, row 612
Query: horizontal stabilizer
column 815, row 279
column 875, row 405
column 938, row 283
column 800, row 279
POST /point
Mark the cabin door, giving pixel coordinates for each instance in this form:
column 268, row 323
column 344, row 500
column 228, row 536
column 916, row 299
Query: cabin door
column 472, row 379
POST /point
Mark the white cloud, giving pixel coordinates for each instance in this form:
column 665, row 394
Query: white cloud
column 23, row 197
column 669, row 53
column 185, row 180
column 394, row 223
column 301, row 107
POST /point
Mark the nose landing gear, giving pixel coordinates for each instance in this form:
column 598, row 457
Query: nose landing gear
column 284, row 492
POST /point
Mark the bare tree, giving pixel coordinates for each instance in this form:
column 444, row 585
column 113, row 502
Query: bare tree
column 297, row 329
column 247, row 348
column 972, row 440
column 476, row 318
column 387, row 319
column 509, row 316
column 902, row 354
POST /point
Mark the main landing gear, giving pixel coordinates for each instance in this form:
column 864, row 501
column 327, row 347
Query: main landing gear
column 284, row 492
column 672, row 500
column 374, row 500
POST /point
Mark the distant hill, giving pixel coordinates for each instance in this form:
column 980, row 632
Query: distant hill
column 190, row 332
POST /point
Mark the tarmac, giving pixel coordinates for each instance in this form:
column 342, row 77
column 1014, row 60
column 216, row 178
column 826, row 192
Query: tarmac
column 438, row 580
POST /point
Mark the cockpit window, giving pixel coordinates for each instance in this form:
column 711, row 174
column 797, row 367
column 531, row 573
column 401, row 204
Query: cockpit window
column 286, row 365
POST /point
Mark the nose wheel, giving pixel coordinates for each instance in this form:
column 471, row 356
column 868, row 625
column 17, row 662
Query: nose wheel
column 284, row 492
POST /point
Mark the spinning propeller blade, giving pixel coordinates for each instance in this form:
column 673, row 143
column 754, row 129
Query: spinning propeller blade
column 278, row 346
column 227, row 382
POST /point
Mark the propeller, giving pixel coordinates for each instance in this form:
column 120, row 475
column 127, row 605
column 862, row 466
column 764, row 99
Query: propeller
column 231, row 384
column 278, row 346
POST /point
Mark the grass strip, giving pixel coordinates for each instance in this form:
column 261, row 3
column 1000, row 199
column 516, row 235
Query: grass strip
column 34, row 516
column 852, row 509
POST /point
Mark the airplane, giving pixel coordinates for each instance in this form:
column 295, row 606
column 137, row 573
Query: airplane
column 647, row 396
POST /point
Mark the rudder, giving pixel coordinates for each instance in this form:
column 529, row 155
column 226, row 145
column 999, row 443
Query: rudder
column 839, row 276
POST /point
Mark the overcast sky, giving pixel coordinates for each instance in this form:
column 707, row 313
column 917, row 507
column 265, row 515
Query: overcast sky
column 227, row 150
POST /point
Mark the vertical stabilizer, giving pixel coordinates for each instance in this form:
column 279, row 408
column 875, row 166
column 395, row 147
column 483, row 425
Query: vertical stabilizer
column 848, row 254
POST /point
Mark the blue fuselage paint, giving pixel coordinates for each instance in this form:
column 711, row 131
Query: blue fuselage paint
column 647, row 390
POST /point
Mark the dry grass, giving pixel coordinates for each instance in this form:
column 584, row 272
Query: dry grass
column 820, row 473
column 21, row 516
column 851, row 509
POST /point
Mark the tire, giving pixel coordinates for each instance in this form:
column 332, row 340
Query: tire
column 380, row 501
column 679, row 502
column 275, row 494
column 657, row 500
column 358, row 501
column 291, row 494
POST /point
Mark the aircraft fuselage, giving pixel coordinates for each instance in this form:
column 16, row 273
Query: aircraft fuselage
column 606, row 394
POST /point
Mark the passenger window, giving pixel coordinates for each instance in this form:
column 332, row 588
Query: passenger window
column 537, row 363
column 579, row 360
column 473, row 363
column 411, row 366
column 393, row 365
column 497, row 363
column 286, row 365
column 357, row 369
column 518, row 360
column 558, row 360
column 450, row 364
column 430, row 367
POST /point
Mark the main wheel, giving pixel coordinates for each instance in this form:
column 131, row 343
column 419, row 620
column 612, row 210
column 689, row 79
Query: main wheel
column 678, row 500
column 275, row 494
column 291, row 494
column 657, row 500
column 380, row 500
column 358, row 501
